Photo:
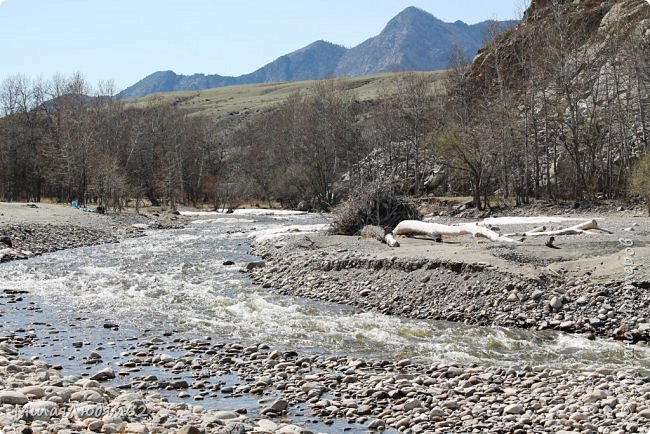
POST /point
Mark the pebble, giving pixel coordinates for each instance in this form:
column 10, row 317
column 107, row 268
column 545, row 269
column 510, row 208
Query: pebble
column 234, row 428
column 255, row 264
column 104, row 374
column 40, row 410
column 556, row 303
column 87, row 396
column 595, row 396
column 12, row 398
column 513, row 409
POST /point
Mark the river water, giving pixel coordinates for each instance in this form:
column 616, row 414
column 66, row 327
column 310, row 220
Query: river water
column 176, row 280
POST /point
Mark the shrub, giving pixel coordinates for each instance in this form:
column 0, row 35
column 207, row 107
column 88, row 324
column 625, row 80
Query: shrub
column 379, row 205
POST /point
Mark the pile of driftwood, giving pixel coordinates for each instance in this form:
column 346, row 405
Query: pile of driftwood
column 437, row 231
column 379, row 206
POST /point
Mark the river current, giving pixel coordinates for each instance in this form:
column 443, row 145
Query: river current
column 176, row 280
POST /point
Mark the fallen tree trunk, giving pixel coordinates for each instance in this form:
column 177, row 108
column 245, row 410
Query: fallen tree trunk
column 580, row 228
column 415, row 227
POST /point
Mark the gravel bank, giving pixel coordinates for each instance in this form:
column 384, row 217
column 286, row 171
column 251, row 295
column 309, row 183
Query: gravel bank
column 28, row 230
column 579, row 288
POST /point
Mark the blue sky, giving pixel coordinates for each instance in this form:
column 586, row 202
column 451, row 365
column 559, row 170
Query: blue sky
column 126, row 40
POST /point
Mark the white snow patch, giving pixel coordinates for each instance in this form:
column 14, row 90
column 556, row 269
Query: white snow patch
column 199, row 213
column 223, row 220
column 268, row 212
column 245, row 211
column 269, row 234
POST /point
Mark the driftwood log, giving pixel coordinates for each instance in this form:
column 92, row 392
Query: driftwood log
column 436, row 230
column 580, row 228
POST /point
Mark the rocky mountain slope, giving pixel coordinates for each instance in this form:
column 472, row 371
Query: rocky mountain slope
column 570, row 39
column 573, row 77
column 412, row 41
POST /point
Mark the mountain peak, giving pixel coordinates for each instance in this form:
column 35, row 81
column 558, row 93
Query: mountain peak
column 314, row 62
column 411, row 16
column 414, row 40
column 412, row 11
column 320, row 43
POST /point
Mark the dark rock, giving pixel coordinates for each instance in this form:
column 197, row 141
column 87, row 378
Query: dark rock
column 6, row 241
column 180, row 384
column 595, row 322
column 622, row 333
column 255, row 264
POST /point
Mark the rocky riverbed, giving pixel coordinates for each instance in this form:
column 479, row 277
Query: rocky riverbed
column 89, row 375
column 326, row 393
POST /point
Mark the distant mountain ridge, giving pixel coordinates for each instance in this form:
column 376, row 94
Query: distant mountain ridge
column 414, row 40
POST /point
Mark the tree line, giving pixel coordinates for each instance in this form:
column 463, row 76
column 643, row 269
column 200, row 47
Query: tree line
column 538, row 115
column 62, row 140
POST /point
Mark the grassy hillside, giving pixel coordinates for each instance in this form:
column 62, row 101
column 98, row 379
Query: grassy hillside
column 228, row 101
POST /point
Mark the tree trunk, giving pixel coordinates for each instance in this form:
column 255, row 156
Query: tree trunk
column 580, row 228
column 151, row 195
column 407, row 227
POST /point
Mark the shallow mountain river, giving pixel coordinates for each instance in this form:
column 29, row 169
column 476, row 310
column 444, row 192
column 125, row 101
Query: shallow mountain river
column 176, row 281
